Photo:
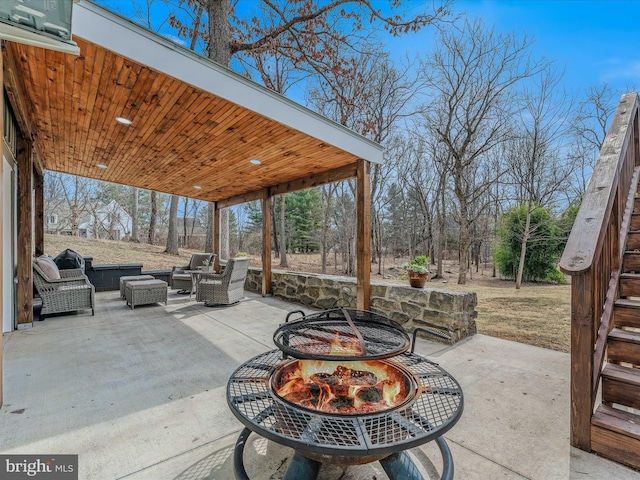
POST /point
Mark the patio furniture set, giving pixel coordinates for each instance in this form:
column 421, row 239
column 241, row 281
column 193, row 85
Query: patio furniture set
column 67, row 290
column 211, row 288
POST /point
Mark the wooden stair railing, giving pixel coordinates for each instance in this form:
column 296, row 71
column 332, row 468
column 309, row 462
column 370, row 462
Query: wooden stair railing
column 604, row 266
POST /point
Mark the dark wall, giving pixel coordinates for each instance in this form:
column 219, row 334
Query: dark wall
column 106, row 277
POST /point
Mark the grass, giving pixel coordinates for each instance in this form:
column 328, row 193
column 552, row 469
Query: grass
column 152, row 257
column 536, row 314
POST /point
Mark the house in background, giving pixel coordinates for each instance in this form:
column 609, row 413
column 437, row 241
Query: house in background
column 191, row 232
column 94, row 220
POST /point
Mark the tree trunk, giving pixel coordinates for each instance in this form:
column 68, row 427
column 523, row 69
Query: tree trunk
column 523, row 248
column 464, row 242
column 274, row 228
column 224, row 233
column 135, row 234
column 185, row 241
column 219, row 32
column 172, row 235
column 208, row 241
column 152, row 218
column 283, row 240
column 441, row 224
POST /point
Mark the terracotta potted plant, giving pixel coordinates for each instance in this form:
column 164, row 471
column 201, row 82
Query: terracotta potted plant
column 417, row 270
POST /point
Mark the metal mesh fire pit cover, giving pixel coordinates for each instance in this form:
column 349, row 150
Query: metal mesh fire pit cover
column 314, row 337
column 427, row 417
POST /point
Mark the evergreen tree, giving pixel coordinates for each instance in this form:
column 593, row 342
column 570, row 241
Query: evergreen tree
column 544, row 248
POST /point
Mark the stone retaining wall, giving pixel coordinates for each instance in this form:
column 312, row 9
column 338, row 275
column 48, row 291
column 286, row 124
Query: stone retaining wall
column 453, row 312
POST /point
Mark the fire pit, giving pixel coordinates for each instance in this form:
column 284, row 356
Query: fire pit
column 352, row 394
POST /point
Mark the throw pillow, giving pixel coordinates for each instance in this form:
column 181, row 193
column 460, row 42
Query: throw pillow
column 48, row 267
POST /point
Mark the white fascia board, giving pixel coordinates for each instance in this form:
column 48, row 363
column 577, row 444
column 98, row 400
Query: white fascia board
column 123, row 37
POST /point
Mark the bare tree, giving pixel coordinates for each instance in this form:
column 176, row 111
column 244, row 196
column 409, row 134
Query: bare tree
column 135, row 234
column 172, row 235
column 472, row 74
column 537, row 166
column 589, row 127
column 208, row 242
column 153, row 214
column 283, row 224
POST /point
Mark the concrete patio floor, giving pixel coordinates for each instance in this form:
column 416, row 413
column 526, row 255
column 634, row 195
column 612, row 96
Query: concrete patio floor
column 141, row 395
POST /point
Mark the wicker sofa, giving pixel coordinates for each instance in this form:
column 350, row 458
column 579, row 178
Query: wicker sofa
column 61, row 290
column 226, row 287
column 180, row 278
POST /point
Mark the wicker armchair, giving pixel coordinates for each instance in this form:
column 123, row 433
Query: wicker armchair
column 70, row 292
column 226, row 287
column 181, row 278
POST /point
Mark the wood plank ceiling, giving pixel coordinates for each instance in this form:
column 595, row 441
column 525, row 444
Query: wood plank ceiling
column 181, row 136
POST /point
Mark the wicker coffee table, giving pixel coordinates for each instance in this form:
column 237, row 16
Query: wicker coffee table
column 144, row 292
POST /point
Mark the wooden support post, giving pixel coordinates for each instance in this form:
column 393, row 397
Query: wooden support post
column 38, row 231
column 363, row 213
column 216, row 238
column 582, row 340
column 24, row 161
column 266, row 245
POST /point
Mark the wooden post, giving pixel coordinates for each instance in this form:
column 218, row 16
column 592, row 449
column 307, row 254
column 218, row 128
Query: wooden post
column 216, row 238
column 24, row 161
column 582, row 340
column 266, row 245
column 38, row 232
column 363, row 213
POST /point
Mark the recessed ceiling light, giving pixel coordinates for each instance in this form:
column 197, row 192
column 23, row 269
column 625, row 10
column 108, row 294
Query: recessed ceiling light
column 102, row 165
column 255, row 162
column 197, row 187
column 123, row 121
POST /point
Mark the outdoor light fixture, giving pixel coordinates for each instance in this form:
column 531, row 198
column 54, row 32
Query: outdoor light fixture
column 255, row 162
column 123, row 121
column 102, row 165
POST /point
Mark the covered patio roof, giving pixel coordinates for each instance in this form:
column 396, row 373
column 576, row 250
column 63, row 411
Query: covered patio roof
column 195, row 127
column 193, row 121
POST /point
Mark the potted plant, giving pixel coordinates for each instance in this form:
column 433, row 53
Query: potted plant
column 418, row 270
column 206, row 266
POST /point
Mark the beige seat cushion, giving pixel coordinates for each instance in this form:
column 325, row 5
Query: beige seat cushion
column 143, row 284
column 182, row 276
column 48, row 266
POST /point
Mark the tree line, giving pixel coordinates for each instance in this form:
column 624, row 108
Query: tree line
column 477, row 132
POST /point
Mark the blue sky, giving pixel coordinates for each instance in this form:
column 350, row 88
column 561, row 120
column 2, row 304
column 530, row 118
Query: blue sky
column 594, row 41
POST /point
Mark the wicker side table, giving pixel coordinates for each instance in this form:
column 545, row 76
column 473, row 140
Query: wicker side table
column 144, row 292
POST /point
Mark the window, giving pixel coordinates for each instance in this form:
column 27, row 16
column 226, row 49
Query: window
column 53, row 219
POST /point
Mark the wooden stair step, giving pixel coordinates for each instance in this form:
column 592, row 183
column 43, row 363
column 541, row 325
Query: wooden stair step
column 635, row 221
column 616, row 435
column 626, row 313
column 623, row 346
column 629, row 285
column 631, row 261
column 621, row 385
column 636, row 205
column 633, row 239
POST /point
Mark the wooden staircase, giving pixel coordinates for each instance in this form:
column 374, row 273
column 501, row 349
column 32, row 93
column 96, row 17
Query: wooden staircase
column 615, row 425
column 602, row 256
